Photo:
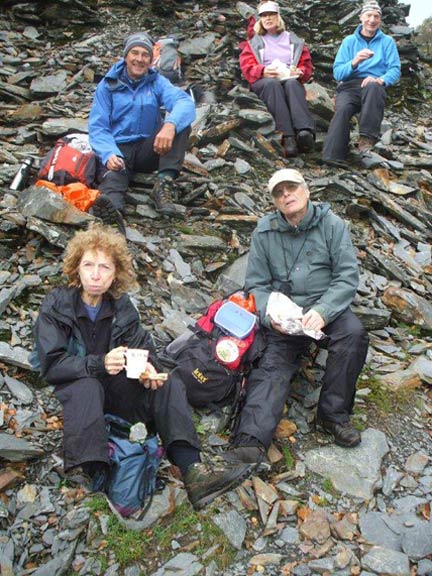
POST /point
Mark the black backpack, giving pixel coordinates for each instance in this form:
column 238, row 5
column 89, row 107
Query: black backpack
column 207, row 382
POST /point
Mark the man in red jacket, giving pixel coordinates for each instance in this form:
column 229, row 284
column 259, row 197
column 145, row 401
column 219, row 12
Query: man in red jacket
column 276, row 63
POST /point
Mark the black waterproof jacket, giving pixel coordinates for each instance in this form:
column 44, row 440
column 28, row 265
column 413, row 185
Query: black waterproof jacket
column 60, row 352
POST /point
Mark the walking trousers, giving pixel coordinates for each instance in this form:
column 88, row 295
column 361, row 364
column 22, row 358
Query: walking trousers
column 286, row 102
column 351, row 98
column 268, row 386
column 85, row 401
column 140, row 157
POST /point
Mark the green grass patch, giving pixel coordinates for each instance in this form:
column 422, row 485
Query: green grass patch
column 288, row 457
column 328, row 487
column 191, row 530
column 382, row 396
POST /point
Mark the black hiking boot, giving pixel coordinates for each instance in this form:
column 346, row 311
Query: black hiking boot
column 289, row 146
column 162, row 195
column 344, row 433
column 205, row 482
column 104, row 209
column 247, row 450
column 305, row 141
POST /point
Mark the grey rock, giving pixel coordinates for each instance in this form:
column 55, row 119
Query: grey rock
column 6, row 297
column 40, row 202
column 201, row 242
column 189, row 299
column 17, row 450
column 14, row 355
column 61, row 126
column 255, row 117
column 46, row 85
column 417, row 540
column 391, row 479
column 355, row 471
column 232, row 278
column 19, row 390
column 290, row 535
column 241, row 166
column 381, row 529
column 183, row 564
column 386, row 562
column 59, row 565
column 182, row 268
column 424, row 568
column 233, row 525
column 199, row 46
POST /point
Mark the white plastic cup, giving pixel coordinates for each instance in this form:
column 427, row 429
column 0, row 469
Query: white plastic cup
column 136, row 362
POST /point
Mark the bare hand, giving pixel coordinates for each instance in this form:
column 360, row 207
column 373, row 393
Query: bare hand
column 276, row 327
column 370, row 80
column 115, row 163
column 115, row 360
column 361, row 55
column 164, row 139
column 148, row 379
column 270, row 72
column 296, row 72
column 313, row 321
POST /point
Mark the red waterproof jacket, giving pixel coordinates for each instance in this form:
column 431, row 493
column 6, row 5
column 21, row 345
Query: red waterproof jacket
column 251, row 58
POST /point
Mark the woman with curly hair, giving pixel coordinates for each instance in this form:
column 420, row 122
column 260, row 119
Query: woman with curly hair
column 82, row 334
column 277, row 63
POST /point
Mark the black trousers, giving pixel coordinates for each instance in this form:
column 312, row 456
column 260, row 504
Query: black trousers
column 268, row 386
column 351, row 99
column 140, row 157
column 286, row 102
column 85, row 401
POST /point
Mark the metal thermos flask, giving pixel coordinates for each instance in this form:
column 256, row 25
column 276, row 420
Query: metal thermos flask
column 21, row 177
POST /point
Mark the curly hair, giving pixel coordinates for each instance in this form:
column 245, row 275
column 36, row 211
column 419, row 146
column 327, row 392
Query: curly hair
column 261, row 31
column 111, row 243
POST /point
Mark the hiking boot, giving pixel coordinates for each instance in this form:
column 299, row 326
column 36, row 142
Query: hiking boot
column 344, row 433
column 289, row 145
column 162, row 196
column 104, row 209
column 305, row 141
column 336, row 163
column 365, row 143
column 204, row 483
column 247, row 455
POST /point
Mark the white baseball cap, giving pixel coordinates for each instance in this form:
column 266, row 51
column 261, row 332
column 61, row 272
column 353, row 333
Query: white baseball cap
column 268, row 7
column 285, row 175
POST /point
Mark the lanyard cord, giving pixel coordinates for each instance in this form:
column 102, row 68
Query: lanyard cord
column 291, row 268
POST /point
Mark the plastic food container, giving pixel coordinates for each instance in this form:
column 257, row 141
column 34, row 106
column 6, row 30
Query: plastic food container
column 235, row 320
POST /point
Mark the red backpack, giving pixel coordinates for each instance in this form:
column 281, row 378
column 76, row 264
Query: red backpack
column 64, row 164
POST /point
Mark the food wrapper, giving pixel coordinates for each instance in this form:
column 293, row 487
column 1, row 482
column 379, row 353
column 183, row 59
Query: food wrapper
column 284, row 72
column 283, row 311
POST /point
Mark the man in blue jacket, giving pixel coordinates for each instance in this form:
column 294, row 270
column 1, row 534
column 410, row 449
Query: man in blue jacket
column 128, row 132
column 366, row 63
column 303, row 250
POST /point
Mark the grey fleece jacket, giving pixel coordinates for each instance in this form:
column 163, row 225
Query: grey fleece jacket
column 313, row 263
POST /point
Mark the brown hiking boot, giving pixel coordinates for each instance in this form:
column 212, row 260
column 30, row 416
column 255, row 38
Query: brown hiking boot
column 162, row 195
column 344, row 433
column 205, row 482
column 365, row 143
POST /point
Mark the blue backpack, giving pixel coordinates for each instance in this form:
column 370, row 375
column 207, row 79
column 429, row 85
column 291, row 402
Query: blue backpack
column 133, row 468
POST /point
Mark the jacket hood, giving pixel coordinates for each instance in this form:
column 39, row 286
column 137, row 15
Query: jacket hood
column 114, row 74
column 276, row 221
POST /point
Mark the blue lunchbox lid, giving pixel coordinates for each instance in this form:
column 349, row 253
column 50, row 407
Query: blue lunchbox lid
column 235, row 320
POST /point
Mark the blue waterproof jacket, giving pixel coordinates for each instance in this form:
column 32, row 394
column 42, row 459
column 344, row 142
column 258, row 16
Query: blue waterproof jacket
column 313, row 263
column 385, row 62
column 122, row 114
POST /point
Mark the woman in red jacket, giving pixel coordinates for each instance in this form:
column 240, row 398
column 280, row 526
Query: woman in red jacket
column 276, row 63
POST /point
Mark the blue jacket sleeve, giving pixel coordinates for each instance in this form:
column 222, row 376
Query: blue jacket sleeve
column 342, row 67
column 100, row 133
column 179, row 105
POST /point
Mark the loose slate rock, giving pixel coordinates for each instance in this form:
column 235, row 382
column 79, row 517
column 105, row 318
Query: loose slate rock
column 183, row 564
column 355, row 471
column 233, row 525
column 386, row 562
column 17, row 450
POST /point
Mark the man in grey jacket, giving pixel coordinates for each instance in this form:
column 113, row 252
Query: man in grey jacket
column 303, row 250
